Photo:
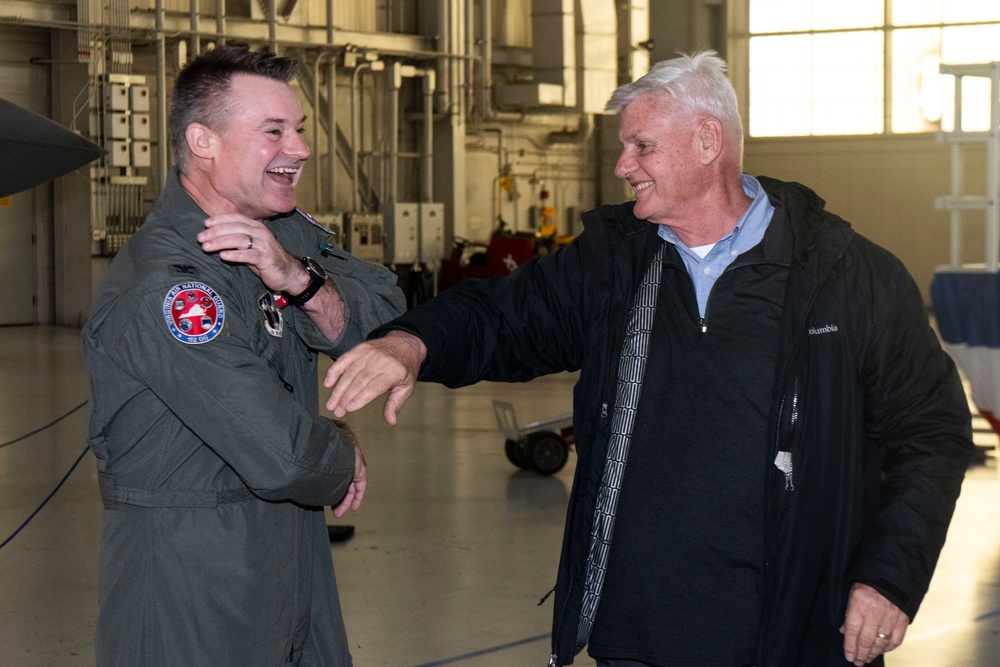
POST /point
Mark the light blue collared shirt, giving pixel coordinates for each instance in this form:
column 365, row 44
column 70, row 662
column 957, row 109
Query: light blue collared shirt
column 746, row 234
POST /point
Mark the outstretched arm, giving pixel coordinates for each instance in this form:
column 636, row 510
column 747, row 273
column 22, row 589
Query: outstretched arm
column 389, row 364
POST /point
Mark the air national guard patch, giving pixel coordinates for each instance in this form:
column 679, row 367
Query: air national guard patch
column 273, row 321
column 193, row 312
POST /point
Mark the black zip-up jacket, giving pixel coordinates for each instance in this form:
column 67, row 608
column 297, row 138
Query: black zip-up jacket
column 864, row 398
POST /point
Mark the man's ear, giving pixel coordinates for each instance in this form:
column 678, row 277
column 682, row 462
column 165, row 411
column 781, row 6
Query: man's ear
column 201, row 140
column 709, row 140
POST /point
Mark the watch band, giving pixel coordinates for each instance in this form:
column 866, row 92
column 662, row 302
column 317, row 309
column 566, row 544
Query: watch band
column 317, row 278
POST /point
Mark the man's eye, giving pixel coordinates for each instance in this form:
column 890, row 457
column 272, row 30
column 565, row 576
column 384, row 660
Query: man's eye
column 301, row 130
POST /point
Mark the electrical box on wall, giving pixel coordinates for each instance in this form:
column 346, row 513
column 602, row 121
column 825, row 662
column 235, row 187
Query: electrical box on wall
column 140, row 126
column 141, row 156
column 127, row 130
column 431, row 232
column 116, row 126
column 401, row 225
column 139, row 98
column 364, row 236
column 335, row 223
column 116, row 97
column 118, row 154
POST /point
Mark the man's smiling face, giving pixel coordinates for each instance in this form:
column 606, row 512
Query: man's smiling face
column 260, row 151
column 658, row 157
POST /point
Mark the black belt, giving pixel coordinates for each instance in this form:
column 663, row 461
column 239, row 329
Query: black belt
column 112, row 494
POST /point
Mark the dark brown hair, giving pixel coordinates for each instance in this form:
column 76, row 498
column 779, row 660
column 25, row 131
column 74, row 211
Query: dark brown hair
column 202, row 84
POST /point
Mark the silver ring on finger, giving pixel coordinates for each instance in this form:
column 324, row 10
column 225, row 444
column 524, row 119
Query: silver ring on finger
column 881, row 635
column 249, row 242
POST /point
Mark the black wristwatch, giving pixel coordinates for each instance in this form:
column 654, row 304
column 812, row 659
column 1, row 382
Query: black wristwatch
column 317, row 278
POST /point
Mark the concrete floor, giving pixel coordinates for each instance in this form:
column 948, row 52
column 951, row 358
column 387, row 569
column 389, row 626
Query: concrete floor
column 453, row 548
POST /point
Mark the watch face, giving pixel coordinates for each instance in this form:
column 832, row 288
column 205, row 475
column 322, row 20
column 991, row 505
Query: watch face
column 314, row 267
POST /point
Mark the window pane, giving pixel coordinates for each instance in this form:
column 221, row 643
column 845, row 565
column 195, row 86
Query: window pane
column 925, row 12
column 816, row 84
column 780, row 86
column 779, row 15
column 970, row 45
column 919, row 90
column 833, row 14
column 960, row 11
column 922, row 96
column 849, row 92
column 920, row 12
column 801, row 15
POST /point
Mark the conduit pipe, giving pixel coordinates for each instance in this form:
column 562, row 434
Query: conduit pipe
column 331, row 114
column 468, row 75
column 317, row 109
column 195, row 41
column 161, row 95
column 430, row 81
column 220, row 22
column 484, row 84
column 429, row 84
column 395, row 82
column 375, row 66
column 451, row 31
column 272, row 27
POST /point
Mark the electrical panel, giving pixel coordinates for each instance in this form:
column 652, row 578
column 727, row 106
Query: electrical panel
column 127, row 130
column 431, row 232
column 365, row 237
column 402, row 222
column 141, row 154
column 335, row 223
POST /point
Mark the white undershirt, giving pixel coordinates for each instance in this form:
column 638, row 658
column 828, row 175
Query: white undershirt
column 702, row 250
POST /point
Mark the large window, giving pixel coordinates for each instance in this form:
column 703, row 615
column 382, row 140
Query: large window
column 821, row 67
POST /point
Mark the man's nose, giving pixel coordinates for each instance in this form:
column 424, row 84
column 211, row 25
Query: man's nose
column 297, row 146
column 625, row 164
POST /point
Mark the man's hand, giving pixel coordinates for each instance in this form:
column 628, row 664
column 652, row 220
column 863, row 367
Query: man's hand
column 388, row 364
column 241, row 240
column 872, row 626
column 356, row 490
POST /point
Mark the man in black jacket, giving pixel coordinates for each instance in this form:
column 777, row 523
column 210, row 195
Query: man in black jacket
column 770, row 438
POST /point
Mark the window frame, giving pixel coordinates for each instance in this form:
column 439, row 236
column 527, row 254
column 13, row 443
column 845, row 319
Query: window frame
column 738, row 48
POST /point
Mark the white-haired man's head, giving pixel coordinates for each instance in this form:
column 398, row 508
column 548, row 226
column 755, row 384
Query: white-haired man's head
column 695, row 83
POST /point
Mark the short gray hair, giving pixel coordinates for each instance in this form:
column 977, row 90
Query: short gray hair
column 696, row 82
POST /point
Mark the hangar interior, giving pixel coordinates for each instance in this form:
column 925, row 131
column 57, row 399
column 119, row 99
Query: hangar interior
column 434, row 124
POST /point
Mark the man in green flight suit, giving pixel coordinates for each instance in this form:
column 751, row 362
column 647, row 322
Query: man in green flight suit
column 214, row 463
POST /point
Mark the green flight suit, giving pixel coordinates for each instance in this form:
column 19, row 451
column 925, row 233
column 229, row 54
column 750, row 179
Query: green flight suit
column 213, row 460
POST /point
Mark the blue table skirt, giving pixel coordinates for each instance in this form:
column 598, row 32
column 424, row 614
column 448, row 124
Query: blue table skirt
column 967, row 308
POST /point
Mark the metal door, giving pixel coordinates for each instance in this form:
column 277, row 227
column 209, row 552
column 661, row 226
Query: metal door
column 17, row 259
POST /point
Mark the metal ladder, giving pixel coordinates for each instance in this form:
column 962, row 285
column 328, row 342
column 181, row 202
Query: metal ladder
column 957, row 202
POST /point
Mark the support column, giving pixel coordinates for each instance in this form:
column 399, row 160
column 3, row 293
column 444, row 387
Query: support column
column 67, row 303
